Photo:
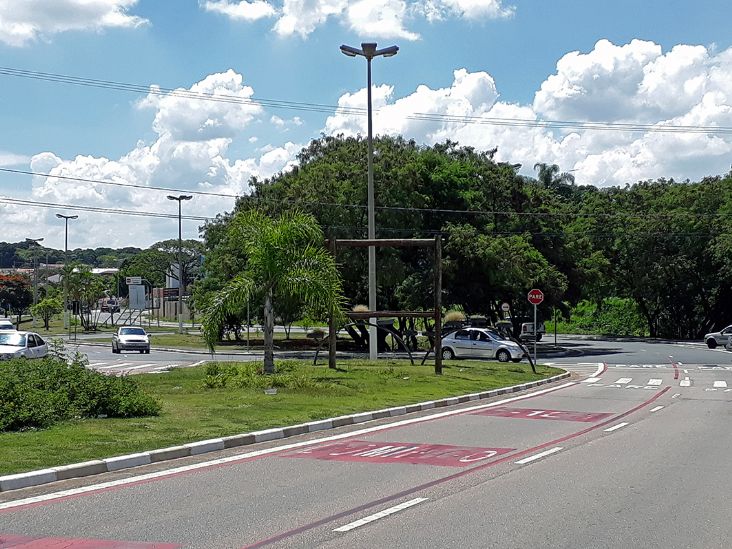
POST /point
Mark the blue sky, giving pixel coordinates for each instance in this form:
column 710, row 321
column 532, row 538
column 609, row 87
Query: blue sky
column 640, row 62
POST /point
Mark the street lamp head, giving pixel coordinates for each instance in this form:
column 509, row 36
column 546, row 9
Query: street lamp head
column 185, row 197
column 369, row 48
column 179, row 198
column 391, row 51
column 62, row 216
column 350, row 51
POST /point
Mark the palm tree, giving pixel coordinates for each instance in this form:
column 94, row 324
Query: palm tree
column 550, row 177
column 286, row 259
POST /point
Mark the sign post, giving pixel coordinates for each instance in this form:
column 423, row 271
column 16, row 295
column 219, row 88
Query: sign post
column 535, row 297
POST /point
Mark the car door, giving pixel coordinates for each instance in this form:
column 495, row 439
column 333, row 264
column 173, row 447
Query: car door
column 484, row 346
column 462, row 343
column 41, row 347
column 30, row 346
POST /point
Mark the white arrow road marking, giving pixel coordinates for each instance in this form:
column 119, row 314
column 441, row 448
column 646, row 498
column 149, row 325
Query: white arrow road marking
column 720, row 384
column 615, row 427
column 655, row 381
column 624, row 380
column 380, row 514
column 538, row 456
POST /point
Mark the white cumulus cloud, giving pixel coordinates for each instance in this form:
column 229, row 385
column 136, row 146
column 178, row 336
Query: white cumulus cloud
column 372, row 18
column 24, row 21
column 634, row 83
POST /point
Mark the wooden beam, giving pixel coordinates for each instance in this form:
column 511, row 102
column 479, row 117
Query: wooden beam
column 388, row 243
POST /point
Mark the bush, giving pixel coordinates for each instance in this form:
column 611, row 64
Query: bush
column 250, row 376
column 40, row 393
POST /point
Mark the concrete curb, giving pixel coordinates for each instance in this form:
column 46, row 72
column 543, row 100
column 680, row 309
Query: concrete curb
column 54, row 474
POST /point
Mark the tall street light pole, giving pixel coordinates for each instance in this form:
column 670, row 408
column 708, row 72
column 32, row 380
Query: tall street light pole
column 66, row 263
column 180, row 200
column 369, row 51
column 34, row 242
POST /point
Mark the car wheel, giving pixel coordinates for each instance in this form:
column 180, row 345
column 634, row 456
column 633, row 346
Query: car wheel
column 115, row 350
column 711, row 343
column 503, row 355
column 516, row 359
column 447, row 354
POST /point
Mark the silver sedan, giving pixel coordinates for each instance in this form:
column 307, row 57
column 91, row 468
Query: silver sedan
column 480, row 343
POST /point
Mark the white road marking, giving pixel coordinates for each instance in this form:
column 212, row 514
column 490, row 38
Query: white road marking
column 686, row 371
column 265, row 451
column 624, row 380
column 676, row 395
column 720, row 384
column 591, row 380
column 655, row 381
column 380, row 514
column 120, row 365
column 198, row 363
column 95, row 364
column 686, row 382
column 656, row 409
column 139, row 367
column 600, row 366
column 615, row 427
column 539, row 455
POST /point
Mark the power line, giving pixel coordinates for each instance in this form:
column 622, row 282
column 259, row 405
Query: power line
column 359, row 111
column 407, row 209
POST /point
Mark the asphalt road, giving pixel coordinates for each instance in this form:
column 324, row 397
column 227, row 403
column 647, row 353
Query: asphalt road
column 631, row 453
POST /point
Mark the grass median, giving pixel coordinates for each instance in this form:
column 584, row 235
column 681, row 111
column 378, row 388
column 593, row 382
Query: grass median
column 197, row 406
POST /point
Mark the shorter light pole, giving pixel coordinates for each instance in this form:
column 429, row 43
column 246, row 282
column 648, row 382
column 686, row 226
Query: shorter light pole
column 66, row 263
column 180, row 200
column 34, row 242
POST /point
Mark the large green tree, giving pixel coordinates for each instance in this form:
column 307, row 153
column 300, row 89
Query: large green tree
column 285, row 260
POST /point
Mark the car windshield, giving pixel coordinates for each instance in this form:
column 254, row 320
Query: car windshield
column 132, row 331
column 13, row 340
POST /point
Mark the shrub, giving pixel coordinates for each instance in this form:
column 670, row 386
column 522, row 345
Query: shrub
column 39, row 393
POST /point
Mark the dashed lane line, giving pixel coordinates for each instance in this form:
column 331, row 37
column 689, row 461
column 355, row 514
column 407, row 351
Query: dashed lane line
column 616, row 427
column 381, row 514
column 539, row 455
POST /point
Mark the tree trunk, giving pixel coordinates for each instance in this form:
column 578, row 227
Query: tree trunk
column 269, row 367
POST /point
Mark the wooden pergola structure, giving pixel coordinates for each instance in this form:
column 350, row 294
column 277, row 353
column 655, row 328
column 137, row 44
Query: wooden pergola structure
column 436, row 314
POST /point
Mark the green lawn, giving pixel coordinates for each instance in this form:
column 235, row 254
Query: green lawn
column 191, row 412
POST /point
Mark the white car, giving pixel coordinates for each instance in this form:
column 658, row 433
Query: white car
column 21, row 345
column 480, row 343
column 131, row 338
column 6, row 325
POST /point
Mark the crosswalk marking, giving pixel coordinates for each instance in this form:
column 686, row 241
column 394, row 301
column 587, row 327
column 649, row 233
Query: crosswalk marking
column 591, row 380
column 140, row 366
column 686, row 382
column 720, row 384
column 655, row 381
column 624, row 380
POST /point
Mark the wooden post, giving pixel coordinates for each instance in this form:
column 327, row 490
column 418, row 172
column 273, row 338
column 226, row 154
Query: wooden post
column 438, row 305
column 331, row 322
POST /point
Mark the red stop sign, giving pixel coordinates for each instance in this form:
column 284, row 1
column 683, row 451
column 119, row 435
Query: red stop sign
column 536, row 296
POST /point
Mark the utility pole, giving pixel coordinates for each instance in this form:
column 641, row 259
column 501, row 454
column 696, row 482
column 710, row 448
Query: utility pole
column 180, row 200
column 32, row 244
column 66, row 263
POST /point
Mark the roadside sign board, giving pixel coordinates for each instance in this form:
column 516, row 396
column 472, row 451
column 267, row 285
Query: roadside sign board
column 133, row 280
column 137, row 297
column 505, row 307
column 535, row 296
